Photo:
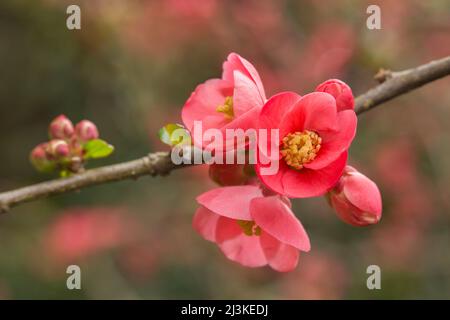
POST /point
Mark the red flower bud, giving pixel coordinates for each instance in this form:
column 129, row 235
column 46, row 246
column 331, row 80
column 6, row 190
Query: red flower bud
column 61, row 128
column 58, row 149
column 356, row 199
column 86, row 130
column 340, row 91
column 39, row 158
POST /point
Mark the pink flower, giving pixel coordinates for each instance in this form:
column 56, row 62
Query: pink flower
column 356, row 199
column 250, row 228
column 79, row 233
column 340, row 91
column 229, row 103
column 311, row 150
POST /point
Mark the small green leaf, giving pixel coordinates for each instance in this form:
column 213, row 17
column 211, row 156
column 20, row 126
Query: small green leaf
column 174, row 134
column 96, row 149
column 65, row 173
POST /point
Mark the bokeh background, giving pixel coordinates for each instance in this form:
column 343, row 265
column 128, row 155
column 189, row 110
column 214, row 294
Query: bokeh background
column 130, row 69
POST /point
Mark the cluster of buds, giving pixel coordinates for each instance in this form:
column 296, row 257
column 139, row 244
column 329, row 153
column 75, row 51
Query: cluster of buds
column 69, row 147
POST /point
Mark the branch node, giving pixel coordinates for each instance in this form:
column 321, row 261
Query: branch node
column 383, row 75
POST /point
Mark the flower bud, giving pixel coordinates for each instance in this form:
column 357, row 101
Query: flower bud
column 86, row 130
column 39, row 158
column 58, row 149
column 61, row 128
column 356, row 199
column 340, row 91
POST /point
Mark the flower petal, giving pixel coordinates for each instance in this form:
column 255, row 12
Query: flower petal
column 227, row 229
column 275, row 108
column 281, row 257
column 306, row 182
column 205, row 223
column 232, row 202
column 315, row 112
column 245, row 250
column 203, row 103
column 236, row 62
column 246, row 95
column 335, row 142
column 272, row 181
column 275, row 218
column 363, row 193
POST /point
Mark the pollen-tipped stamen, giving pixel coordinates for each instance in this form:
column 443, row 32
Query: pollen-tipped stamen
column 250, row 228
column 299, row 148
column 227, row 108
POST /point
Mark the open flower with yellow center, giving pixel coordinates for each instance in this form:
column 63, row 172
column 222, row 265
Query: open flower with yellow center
column 313, row 141
column 251, row 227
column 232, row 102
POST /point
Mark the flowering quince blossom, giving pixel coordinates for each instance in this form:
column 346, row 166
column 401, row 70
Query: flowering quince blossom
column 307, row 138
column 232, row 102
column 356, row 199
column 251, row 227
column 311, row 151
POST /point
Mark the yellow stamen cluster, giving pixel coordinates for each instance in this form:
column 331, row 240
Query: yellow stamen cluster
column 227, row 108
column 249, row 227
column 300, row 147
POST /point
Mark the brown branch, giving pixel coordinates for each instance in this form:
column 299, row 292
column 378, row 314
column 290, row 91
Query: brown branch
column 393, row 84
column 154, row 164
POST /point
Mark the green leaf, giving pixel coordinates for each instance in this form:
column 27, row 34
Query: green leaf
column 174, row 134
column 96, row 149
column 65, row 173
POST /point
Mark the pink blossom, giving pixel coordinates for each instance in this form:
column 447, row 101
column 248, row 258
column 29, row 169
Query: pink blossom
column 250, row 228
column 231, row 102
column 356, row 199
column 311, row 152
column 79, row 233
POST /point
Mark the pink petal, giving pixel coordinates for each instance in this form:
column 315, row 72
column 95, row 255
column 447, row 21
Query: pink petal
column 227, row 229
column 245, row 250
column 275, row 108
column 246, row 95
column 306, row 182
column 205, row 223
column 203, row 103
column 247, row 120
column 335, row 142
column 315, row 112
column 232, row 202
column 236, row 62
column 275, row 218
column 363, row 193
column 281, row 257
column 273, row 182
